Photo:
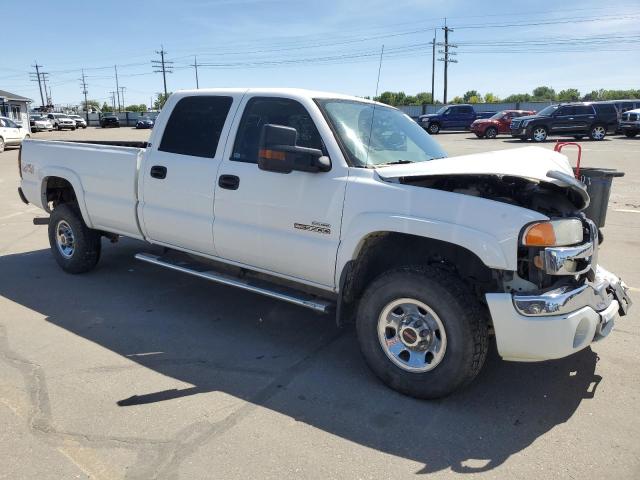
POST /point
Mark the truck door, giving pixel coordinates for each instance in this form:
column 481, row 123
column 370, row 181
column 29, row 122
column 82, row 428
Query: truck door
column 449, row 117
column 178, row 177
column 563, row 120
column 465, row 117
column 583, row 116
column 288, row 224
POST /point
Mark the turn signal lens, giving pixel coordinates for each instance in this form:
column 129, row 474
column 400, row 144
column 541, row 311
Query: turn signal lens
column 539, row 235
column 556, row 233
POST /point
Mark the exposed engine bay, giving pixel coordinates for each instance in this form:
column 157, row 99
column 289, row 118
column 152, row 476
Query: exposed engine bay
column 544, row 197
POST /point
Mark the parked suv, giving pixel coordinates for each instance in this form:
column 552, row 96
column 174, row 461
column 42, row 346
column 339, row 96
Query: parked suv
column 498, row 123
column 574, row 119
column 61, row 121
column 80, row 122
column 630, row 123
column 109, row 121
column 451, row 117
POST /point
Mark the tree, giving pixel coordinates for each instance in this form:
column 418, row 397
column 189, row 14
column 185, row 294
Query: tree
column 136, row 108
column 491, row 98
column 91, row 104
column 518, row 97
column 106, row 108
column 160, row 100
column 457, row 99
column 544, row 93
column 423, row 97
column 475, row 99
column 471, row 93
column 569, row 95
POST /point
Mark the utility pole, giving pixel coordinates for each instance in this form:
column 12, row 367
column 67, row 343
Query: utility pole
column 433, row 67
column 113, row 99
column 115, row 67
column 447, row 54
column 84, row 91
column 37, row 67
column 122, row 89
column 195, row 65
column 47, row 94
column 163, row 66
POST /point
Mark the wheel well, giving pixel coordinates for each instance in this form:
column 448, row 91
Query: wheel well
column 58, row 190
column 383, row 251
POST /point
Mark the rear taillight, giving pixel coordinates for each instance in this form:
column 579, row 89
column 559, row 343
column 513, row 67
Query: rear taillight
column 20, row 161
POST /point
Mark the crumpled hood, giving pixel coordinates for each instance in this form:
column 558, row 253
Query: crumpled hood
column 527, row 162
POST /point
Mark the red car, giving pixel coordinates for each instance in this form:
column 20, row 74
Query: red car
column 498, row 123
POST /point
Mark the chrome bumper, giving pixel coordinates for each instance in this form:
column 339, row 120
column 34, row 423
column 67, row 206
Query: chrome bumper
column 598, row 295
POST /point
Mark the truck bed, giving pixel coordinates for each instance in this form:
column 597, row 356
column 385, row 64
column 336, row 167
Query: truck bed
column 104, row 175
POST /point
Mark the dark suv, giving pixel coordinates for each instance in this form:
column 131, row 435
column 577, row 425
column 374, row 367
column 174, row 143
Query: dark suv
column 568, row 119
column 109, row 121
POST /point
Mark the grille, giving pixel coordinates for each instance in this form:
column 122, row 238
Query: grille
column 515, row 124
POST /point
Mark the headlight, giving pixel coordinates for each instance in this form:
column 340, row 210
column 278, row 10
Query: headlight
column 556, row 233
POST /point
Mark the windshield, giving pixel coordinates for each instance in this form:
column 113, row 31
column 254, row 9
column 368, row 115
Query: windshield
column 442, row 110
column 548, row 111
column 498, row 115
column 378, row 135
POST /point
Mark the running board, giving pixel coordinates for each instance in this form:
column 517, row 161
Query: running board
column 268, row 290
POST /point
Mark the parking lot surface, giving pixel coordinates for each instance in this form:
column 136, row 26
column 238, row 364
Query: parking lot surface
column 131, row 371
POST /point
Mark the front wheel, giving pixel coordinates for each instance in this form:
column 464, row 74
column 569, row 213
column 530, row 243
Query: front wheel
column 539, row 134
column 491, row 132
column 422, row 331
column 598, row 132
column 433, row 128
column 75, row 246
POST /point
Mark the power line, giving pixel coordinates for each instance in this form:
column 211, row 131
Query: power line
column 164, row 66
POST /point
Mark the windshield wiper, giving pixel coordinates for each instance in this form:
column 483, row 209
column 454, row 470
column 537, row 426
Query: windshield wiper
column 397, row 162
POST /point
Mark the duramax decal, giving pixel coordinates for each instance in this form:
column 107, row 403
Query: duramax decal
column 316, row 227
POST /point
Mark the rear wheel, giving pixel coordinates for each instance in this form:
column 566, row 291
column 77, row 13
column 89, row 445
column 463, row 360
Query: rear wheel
column 75, row 246
column 598, row 132
column 539, row 134
column 491, row 132
column 433, row 128
column 422, row 331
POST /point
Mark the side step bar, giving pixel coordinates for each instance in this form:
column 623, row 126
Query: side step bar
column 268, row 290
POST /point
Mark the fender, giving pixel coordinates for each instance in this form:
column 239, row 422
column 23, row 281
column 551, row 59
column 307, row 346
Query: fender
column 75, row 182
column 482, row 244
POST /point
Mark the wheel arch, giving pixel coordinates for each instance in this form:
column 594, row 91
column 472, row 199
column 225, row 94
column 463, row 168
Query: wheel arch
column 63, row 186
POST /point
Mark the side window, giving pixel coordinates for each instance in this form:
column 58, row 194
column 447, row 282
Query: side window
column 449, row 111
column 584, row 110
column 195, row 126
column 466, row 110
column 564, row 111
column 278, row 111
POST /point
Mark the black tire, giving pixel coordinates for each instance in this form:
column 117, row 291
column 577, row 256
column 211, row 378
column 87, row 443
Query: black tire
column 479, row 135
column 491, row 132
column 1, row 144
column 597, row 132
column 463, row 317
column 523, row 139
column 433, row 128
column 58, row 127
column 86, row 242
column 630, row 134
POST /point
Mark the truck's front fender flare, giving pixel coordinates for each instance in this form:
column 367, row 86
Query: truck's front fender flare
column 75, row 182
column 486, row 247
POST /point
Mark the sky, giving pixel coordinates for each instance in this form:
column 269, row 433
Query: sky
column 331, row 45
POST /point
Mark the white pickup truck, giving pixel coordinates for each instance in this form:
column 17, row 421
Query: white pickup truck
column 346, row 206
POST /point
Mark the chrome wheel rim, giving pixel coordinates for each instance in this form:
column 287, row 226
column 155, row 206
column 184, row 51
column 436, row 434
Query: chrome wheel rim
column 412, row 335
column 491, row 133
column 433, row 128
column 598, row 133
column 539, row 134
column 65, row 241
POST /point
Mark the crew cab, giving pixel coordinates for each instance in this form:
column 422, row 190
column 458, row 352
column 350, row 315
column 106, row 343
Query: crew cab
column 451, row 117
column 11, row 133
column 61, row 121
column 346, row 207
column 630, row 123
column 568, row 119
column 500, row 122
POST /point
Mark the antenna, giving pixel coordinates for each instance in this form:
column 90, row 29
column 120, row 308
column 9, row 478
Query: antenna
column 373, row 113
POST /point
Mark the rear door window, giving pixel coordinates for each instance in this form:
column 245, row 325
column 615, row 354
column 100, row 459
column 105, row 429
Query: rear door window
column 195, row 126
column 583, row 110
column 278, row 111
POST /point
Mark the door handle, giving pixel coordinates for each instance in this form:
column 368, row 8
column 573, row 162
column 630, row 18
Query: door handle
column 158, row 171
column 230, row 182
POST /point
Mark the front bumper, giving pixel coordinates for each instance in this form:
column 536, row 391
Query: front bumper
column 520, row 132
column 559, row 322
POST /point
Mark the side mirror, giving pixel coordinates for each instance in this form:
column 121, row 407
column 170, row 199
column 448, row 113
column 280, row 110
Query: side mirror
column 278, row 152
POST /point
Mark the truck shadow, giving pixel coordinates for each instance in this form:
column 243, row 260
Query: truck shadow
column 291, row 361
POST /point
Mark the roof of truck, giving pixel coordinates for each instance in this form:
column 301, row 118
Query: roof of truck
column 289, row 92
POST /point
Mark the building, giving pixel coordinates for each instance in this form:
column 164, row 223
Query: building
column 15, row 107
